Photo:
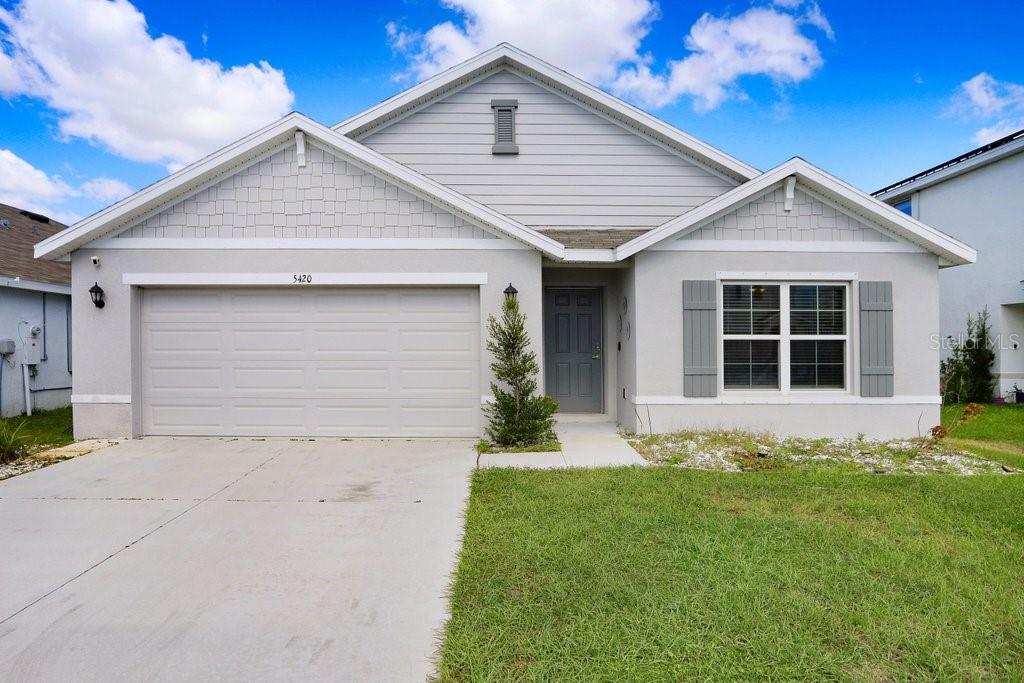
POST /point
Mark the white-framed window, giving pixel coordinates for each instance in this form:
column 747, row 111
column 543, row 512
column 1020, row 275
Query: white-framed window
column 785, row 336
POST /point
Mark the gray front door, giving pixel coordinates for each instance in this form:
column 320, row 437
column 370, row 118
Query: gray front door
column 573, row 353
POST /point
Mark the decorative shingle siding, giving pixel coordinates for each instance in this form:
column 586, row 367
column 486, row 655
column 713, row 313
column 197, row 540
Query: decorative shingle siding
column 574, row 168
column 581, row 238
column 326, row 198
column 810, row 219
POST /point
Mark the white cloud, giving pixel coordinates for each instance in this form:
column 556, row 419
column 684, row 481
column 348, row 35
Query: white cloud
column 105, row 189
column 998, row 103
column 24, row 186
column 982, row 96
column 589, row 38
column 143, row 98
column 600, row 42
column 1000, row 129
column 761, row 41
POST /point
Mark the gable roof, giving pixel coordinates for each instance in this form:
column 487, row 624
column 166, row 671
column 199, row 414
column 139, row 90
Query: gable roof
column 228, row 159
column 980, row 156
column 576, row 88
column 19, row 230
column 949, row 250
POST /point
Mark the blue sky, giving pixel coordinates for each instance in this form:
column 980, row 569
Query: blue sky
column 92, row 107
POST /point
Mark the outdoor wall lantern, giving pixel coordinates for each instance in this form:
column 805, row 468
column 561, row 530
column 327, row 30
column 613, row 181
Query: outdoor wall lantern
column 510, row 291
column 96, row 294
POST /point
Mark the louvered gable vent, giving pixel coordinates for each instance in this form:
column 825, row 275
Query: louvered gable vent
column 505, row 126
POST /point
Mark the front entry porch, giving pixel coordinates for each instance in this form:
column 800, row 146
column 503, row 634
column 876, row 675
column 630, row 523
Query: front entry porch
column 582, row 339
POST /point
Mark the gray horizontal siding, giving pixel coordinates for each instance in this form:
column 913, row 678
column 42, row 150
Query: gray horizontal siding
column 574, row 168
column 326, row 198
column 765, row 218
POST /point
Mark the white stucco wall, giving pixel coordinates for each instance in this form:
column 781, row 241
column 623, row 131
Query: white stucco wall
column 985, row 208
column 19, row 309
column 657, row 331
column 104, row 350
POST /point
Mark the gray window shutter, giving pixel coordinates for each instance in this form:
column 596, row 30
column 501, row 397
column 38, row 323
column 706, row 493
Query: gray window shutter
column 700, row 338
column 876, row 366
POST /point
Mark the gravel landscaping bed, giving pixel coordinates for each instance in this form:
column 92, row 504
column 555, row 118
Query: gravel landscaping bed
column 737, row 451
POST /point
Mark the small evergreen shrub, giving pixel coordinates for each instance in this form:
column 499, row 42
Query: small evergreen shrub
column 967, row 374
column 518, row 417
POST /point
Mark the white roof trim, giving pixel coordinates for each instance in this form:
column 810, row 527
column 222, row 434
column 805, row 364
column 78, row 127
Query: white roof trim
column 505, row 54
column 191, row 177
column 33, row 285
column 949, row 250
column 953, row 171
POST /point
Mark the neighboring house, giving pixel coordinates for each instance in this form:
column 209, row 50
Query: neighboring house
column 35, row 317
column 979, row 197
column 308, row 280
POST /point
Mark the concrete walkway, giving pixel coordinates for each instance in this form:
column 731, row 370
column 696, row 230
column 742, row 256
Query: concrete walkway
column 231, row 559
column 586, row 442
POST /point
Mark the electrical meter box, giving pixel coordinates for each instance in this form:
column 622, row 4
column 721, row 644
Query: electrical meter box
column 32, row 345
column 6, row 347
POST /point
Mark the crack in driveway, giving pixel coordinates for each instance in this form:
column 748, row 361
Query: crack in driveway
column 152, row 531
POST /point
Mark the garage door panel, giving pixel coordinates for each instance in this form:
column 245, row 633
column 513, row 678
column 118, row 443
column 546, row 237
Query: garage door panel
column 264, row 379
column 429, row 307
column 355, row 341
column 190, row 378
column 446, row 381
column 368, row 380
column 185, row 339
column 184, row 306
column 268, row 342
column 446, row 342
column 339, row 362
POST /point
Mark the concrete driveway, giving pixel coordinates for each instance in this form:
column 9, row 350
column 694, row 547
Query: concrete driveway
column 171, row 558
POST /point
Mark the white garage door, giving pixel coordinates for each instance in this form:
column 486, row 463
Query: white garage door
column 317, row 362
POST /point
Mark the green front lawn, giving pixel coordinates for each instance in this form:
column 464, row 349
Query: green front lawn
column 666, row 574
column 44, row 429
column 996, row 433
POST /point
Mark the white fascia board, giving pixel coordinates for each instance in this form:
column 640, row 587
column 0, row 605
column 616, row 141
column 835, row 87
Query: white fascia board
column 314, row 243
column 300, row 280
column 952, row 171
column 893, row 247
column 890, row 219
column 32, row 285
column 590, row 255
column 202, row 171
column 578, row 88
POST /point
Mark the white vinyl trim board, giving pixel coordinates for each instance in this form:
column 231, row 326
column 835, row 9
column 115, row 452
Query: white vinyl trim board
column 304, row 279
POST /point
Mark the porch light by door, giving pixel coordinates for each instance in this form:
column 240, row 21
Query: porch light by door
column 96, row 294
column 510, row 291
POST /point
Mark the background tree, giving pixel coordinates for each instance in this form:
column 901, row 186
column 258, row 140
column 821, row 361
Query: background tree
column 966, row 376
column 518, row 416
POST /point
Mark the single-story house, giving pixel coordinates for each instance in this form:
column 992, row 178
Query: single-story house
column 35, row 317
column 312, row 280
column 977, row 196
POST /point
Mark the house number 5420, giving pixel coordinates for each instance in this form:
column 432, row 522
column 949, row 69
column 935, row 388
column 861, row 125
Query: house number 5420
column 302, row 279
